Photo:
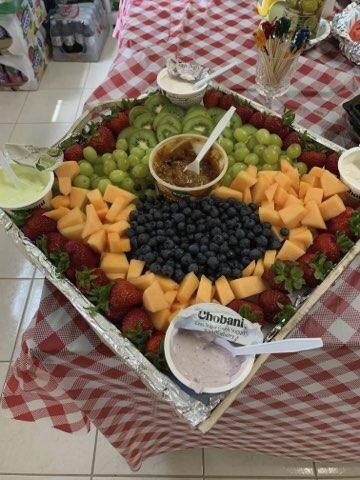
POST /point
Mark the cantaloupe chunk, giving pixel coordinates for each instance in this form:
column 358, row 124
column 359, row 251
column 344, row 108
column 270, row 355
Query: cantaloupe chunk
column 73, row 217
column 60, row 201
column 204, row 291
column 160, row 319
column 269, row 215
column 97, row 241
column 114, row 263
column 112, row 193
column 117, row 227
column 136, row 268
column 258, row 190
column 74, row 232
column 117, row 206
column 269, row 258
column 125, row 214
column 268, row 174
column 93, row 223
column 247, row 198
column 292, row 215
column 316, row 172
column 268, row 204
column 170, row 296
column 166, row 283
column 102, row 212
column 224, row 193
column 311, row 180
column 259, row 268
column 179, row 306
column 78, row 197
column 283, row 180
column 313, row 217
column 125, row 244
column 68, row 169
column 242, row 181
column 290, row 251
column 96, row 199
column 302, row 237
column 303, row 188
column 144, row 281
column 314, row 193
column 187, row 287
column 115, row 276
column 332, row 207
column 292, row 191
column 247, row 286
column 113, row 242
column 270, row 192
column 280, row 197
column 252, row 170
column 57, row 213
column 285, row 166
column 331, row 184
column 249, row 269
column 224, row 291
column 154, row 299
column 292, row 200
column 64, row 185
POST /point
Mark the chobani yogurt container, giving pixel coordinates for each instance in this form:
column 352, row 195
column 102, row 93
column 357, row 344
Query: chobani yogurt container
column 178, row 91
column 349, row 169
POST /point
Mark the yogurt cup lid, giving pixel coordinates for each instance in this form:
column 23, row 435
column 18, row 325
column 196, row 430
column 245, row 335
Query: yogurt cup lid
column 349, row 168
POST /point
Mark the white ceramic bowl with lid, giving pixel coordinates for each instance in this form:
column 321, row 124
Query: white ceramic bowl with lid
column 349, row 169
column 178, row 92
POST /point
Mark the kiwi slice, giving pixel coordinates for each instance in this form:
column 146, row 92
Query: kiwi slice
column 197, row 109
column 196, row 113
column 165, row 130
column 142, row 138
column 158, row 118
column 170, row 120
column 127, row 132
column 155, row 103
column 135, row 112
column 202, row 125
column 235, row 121
column 174, row 109
column 145, row 120
column 215, row 112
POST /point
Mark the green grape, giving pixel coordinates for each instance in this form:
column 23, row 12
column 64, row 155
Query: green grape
column 259, row 150
column 133, row 161
column 122, row 144
column 285, row 158
column 138, row 152
column 275, row 140
column 99, row 169
column 106, row 156
column 231, row 161
column 81, row 181
column 150, row 193
column 302, row 167
column 241, row 153
column 127, row 184
column 118, row 155
column 109, row 166
column 123, row 164
column 252, row 159
column 276, row 148
column 241, row 134
column 227, row 133
column 86, row 168
column 90, row 154
column 293, row 151
column 103, row 183
column 139, row 171
column 263, row 136
column 250, row 129
column 267, row 166
column 251, row 143
column 95, row 179
column 117, row 176
column 239, row 145
column 270, row 155
column 145, row 160
column 226, row 180
column 226, row 144
column 236, row 168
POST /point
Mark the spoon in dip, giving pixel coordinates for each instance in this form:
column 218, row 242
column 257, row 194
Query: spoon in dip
column 195, row 165
column 9, row 171
column 215, row 74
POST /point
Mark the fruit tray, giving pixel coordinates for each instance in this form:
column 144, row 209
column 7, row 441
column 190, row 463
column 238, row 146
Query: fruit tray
column 199, row 410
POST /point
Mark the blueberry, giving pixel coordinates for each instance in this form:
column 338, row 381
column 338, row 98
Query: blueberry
column 174, row 207
column 231, row 201
column 167, row 271
column 157, row 215
column 222, row 257
column 155, row 267
column 194, row 248
column 201, row 259
column 214, row 247
column 224, row 247
column 204, row 248
column 182, row 204
column 191, row 229
column 236, row 273
column 146, row 248
column 179, row 217
column 245, row 260
column 244, row 243
column 187, row 211
column 231, row 211
column 168, row 243
column 177, row 253
column 267, row 233
column 225, row 270
column 275, row 245
column 197, row 236
column 253, row 206
column 181, row 226
column 266, row 225
column 133, row 243
column 251, row 235
column 193, row 268
column 166, row 254
column 178, row 275
column 239, row 233
column 233, row 240
column 284, row 232
column 261, row 241
column 133, row 216
column 214, row 212
column 255, row 254
column 257, row 229
column 217, row 239
column 217, row 231
column 196, row 214
column 143, row 238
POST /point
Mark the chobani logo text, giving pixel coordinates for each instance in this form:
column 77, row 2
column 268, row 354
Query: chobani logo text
column 221, row 319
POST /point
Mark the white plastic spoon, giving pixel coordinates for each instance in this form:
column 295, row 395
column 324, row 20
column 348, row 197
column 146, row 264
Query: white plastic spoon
column 215, row 74
column 279, row 346
column 10, row 172
column 195, row 165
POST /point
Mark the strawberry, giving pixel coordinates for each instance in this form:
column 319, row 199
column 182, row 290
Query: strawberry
column 53, row 245
column 313, row 158
column 226, row 102
column 118, row 123
column 248, row 310
column 284, row 276
column 137, row 327
column 326, row 243
column 315, row 267
column 37, row 224
column 280, row 126
column 331, row 164
column 124, row 296
column 245, row 112
column 87, row 279
column 154, row 349
column 291, row 138
column 55, row 241
column 257, row 119
column 102, row 140
column 272, row 302
column 212, row 98
column 340, row 223
column 81, row 255
column 74, row 153
column 71, row 274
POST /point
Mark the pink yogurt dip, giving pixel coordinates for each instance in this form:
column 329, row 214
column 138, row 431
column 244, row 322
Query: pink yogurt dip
column 204, row 364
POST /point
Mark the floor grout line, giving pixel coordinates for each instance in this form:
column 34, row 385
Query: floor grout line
column 94, row 455
column 21, row 110
column 315, row 469
column 203, row 462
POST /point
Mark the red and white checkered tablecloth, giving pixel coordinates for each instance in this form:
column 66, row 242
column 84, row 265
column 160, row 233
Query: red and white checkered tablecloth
column 66, row 374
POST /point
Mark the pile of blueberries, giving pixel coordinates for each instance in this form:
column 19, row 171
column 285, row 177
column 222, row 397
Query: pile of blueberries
column 208, row 236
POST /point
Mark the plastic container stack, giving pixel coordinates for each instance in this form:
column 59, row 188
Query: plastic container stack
column 24, row 50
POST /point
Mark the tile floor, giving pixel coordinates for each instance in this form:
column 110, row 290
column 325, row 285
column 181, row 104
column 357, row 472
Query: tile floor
column 35, row 451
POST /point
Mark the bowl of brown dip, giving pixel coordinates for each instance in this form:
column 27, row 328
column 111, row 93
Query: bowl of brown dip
column 170, row 157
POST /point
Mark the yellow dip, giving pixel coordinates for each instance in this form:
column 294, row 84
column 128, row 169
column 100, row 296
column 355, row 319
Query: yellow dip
column 32, row 182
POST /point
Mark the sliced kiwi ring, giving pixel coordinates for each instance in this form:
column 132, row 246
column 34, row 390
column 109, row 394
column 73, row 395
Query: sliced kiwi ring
column 165, row 130
column 158, row 118
column 196, row 114
column 145, row 120
column 174, row 109
column 126, row 132
column 155, row 102
column 135, row 112
column 216, row 112
column 170, row 120
column 197, row 109
column 202, row 125
column 142, row 138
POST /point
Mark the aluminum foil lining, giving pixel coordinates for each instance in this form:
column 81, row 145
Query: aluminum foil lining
column 187, row 71
column 189, row 406
column 42, row 158
column 340, row 28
